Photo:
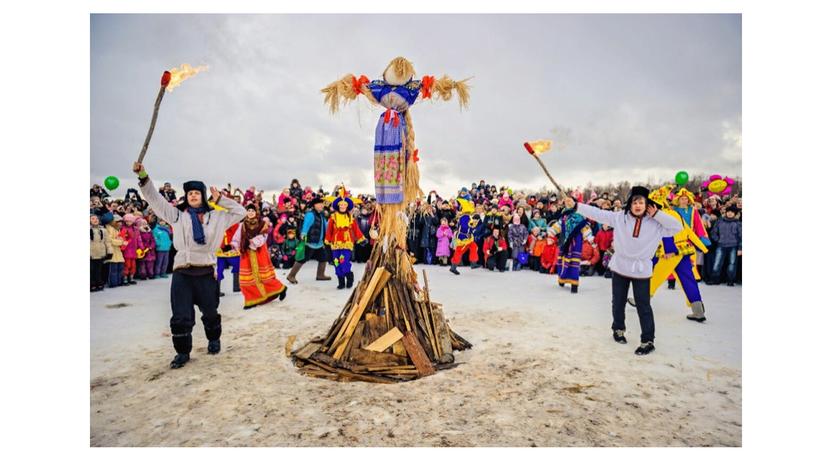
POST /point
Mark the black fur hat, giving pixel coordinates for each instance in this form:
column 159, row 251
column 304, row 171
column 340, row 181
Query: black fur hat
column 190, row 186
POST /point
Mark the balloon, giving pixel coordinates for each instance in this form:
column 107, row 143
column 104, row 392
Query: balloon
column 717, row 184
column 681, row 178
column 111, row 183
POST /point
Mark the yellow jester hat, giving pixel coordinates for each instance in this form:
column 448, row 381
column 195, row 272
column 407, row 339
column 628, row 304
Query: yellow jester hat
column 683, row 192
column 661, row 195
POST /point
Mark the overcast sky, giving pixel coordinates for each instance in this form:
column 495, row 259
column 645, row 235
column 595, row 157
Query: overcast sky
column 623, row 97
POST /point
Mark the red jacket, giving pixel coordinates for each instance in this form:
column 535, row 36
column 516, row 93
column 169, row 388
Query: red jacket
column 489, row 243
column 590, row 254
column 604, row 239
column 550, row 256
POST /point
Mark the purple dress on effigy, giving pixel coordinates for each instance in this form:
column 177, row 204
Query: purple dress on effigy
column 390, row 157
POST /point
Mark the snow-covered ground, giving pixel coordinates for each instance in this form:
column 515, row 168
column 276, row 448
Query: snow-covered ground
column 543, row 371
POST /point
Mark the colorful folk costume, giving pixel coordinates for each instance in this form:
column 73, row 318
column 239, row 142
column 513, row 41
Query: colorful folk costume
column 681, row 250
column 572, row 229
column 464, row 238
column 257, row 275
column 341, row 235
column 228, row 256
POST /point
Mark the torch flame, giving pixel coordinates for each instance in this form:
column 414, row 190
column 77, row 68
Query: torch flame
column 179, row 74
column 536, row 147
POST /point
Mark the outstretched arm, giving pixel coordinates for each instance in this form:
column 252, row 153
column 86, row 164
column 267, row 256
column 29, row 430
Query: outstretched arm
column 444, row 87
column 604, row 217
column 345, row 90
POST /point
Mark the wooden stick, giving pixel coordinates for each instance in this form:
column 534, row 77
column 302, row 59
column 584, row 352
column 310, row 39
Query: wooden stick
column 152, row 124
column 541, row 163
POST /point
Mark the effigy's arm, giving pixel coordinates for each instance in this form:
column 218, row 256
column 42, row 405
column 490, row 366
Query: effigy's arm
column 444, row 88
column 347, row 89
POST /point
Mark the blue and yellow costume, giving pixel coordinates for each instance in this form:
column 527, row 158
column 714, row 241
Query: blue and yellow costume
column 571, row 228
column 341, row 235
column 681, row 250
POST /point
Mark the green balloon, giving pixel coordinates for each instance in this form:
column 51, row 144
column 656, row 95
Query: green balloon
column 111, row 183
column 681, row 178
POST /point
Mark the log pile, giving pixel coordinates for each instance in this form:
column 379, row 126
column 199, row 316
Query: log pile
column 388, row 331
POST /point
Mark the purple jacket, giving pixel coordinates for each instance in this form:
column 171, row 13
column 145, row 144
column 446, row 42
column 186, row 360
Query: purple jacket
column 148, row 242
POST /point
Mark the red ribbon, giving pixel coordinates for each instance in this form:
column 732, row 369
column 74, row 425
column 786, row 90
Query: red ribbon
column 388, row 118
column 416, row 156
column 357, row 83
column 427, row 86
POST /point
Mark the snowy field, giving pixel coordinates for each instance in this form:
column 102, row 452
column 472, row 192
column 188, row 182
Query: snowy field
column 544, row 371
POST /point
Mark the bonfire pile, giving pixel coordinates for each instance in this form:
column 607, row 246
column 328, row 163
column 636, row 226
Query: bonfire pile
column 388, row 331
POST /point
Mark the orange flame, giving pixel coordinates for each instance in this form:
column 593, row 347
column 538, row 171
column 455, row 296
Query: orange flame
column 536, row 147
column 180, row 74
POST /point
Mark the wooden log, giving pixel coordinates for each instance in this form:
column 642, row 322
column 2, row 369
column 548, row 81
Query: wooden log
column 355, row 313
column 418, row 355
column 385, row 341
column 287, row 348
column 399, row 349
column 306, row 351
column 351, row 375
column 361, row 358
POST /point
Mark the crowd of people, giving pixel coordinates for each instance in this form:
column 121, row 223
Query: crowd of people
column 513, row 231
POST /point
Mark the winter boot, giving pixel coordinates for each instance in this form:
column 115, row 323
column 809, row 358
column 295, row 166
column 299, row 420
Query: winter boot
column 618, row 336
column 697, row 312
column 341, row 282
column 132, row 282
column 236, row 287
column 321, row 272
column 282, row 295
column 214, row 346
column 293, row 272
column 474, row 266
column 179, row 360
column 573, row 289
column 349, row 279
column 453, row 269
column 645, row 348
column 672, row 283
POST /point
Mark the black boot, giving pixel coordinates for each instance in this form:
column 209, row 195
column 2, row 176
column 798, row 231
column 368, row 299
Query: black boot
column 341, row 282
column 350, row 280
column 645, row 348
column 235, row 286
column 132, row 282
column 474, row 266
column 282, row 294
column 179, row 360
column 618, row 336
column 453, row 269
column 214, row 346
column 220, row 293
column 671, row 284
column 573, row 289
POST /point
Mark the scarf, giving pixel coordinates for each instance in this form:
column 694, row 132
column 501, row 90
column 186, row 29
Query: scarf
column 198, row 229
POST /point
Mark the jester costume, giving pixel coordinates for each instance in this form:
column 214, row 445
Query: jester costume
column 341, row 235
column 464, row 241
column 257, row 275
column 681, row 248
column 571, row 229
column 228, row 256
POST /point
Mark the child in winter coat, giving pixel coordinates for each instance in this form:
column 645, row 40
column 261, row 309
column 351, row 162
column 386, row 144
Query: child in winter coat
column 132, row 242
column 590, row 256
column 603, row 238
column 517, row 234
column 162, row 237
column 535, row 246
column 727, row 233
column 549, row 257
column 116, row 262
column 99, row 251
column 148, row 260
column 288, row 248
column 444, row 234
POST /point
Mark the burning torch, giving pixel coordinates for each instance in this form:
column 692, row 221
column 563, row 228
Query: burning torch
column 535, row 148
column 169, row 81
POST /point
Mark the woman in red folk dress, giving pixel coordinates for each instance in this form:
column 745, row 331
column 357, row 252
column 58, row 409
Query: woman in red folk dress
column 256, row 275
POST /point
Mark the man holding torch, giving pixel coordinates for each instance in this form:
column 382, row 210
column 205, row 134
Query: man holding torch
column 197, row 234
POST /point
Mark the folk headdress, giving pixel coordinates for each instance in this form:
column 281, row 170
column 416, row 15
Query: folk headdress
column 342, row 195
column 661, row 195
column 683, row 192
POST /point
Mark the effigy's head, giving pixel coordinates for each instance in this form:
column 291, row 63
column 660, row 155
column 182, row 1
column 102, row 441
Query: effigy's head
column 398, row 72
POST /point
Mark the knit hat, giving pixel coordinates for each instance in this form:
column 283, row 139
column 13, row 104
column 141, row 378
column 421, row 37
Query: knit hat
column 252, row 206
column 130, row 219
column 732, row 208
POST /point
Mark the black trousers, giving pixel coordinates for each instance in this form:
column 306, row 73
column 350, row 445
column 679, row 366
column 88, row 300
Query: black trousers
column 97, row 279
column 186, row 291
column 322, row 254
column 497, row 261
column 640, row 290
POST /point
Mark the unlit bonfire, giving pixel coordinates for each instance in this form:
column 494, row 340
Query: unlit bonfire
column 388, row 331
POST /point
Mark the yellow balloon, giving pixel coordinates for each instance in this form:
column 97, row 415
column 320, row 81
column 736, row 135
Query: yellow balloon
column 717, row 186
